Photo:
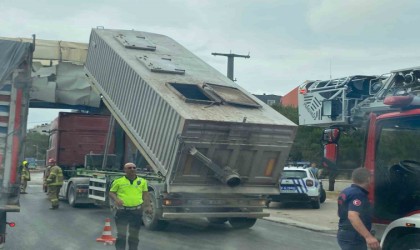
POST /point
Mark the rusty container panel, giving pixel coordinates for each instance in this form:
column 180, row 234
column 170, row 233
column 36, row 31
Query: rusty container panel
column 74, row 135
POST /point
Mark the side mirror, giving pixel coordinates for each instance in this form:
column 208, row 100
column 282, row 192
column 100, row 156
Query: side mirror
column 330, row 135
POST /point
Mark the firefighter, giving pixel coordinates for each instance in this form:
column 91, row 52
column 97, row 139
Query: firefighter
column 25, row 176
column 51, row 162
column 54, row 182
column 355, row 214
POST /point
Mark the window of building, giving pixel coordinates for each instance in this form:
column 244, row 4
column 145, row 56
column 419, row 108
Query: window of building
column 271, row 102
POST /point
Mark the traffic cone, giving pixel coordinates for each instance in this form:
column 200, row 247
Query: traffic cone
column 106, row 237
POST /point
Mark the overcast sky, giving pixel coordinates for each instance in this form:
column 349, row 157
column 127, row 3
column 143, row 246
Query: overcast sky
column 288, row 41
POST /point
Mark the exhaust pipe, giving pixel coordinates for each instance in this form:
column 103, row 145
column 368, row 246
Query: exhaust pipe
column 226, row 175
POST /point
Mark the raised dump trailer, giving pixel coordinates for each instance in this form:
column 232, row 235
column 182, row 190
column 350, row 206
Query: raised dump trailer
column 219, row 148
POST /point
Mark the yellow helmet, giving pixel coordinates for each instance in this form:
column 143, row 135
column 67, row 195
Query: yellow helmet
column 24, row 163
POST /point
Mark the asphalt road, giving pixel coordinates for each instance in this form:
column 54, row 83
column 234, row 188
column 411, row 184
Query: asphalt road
column 37, row 227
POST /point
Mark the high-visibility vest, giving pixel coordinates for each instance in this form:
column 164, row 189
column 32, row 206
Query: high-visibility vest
column 130, row 192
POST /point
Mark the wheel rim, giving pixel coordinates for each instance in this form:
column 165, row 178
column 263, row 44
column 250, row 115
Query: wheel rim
column 149, row 217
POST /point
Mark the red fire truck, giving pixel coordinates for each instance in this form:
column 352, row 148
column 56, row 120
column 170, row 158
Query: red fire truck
column 388, row 107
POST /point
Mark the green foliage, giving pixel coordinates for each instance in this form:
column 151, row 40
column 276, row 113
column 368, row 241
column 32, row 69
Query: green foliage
column 307, row 145
column 36, row 145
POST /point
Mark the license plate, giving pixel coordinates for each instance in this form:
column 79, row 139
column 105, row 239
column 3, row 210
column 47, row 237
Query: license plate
column 288, row 189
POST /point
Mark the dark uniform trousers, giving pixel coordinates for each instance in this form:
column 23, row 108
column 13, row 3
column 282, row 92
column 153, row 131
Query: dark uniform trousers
column 132, row 219
column 349, row 239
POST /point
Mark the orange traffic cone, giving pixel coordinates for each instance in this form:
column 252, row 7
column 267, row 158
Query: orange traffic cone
column 106, row 237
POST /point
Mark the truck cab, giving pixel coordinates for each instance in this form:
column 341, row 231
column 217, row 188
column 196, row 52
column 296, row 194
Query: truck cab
column 393, row 158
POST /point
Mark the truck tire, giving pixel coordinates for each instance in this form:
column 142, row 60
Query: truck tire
column 316, row 204
column 323, row 196
column 151, row 221
column 218, row 221
column 409, row 241
column 241, row 223
column 71, row 195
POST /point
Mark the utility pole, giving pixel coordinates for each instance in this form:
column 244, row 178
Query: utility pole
column 230, row 57
column 36, row 152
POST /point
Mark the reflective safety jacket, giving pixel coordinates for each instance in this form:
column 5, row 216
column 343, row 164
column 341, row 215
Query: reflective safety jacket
column 129, row 191
column 25, row 174
column 55, row 178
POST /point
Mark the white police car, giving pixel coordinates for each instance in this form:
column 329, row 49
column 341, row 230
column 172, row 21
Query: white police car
column 298, row 184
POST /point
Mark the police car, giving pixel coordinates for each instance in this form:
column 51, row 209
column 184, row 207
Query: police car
column 298, row 184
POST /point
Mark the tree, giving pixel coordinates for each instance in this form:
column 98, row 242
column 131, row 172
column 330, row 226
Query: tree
column 307, row 145
column 36, row 145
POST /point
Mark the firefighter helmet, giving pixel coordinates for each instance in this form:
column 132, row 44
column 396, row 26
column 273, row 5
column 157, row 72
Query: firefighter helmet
column 24, row 163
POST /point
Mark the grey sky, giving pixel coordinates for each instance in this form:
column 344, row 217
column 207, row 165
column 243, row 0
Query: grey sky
column 289, row 41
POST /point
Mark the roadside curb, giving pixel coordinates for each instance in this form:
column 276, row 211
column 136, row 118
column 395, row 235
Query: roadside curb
column 301, row 225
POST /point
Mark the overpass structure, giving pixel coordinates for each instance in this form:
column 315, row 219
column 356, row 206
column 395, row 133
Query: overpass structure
column 58, row 77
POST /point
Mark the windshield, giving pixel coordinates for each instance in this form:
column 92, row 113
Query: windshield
column 397, row 167
column 294, row 174
column 398, row 140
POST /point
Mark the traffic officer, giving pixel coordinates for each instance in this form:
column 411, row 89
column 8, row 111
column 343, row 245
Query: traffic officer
column 355, row 214
column 54, row 182
column 25, row 176
column 130, row 196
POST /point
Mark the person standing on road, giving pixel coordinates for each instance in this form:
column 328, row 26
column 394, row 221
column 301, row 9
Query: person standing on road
column 131, row 197
column 51, row 162
column 355, row 215
column 25, row 176
column 54, row 183
column 314, row 169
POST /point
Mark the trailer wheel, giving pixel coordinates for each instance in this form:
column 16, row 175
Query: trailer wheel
column 241, row 223
column 218, row 221
column 71, row 195
column 151, row 221
column 409, row 241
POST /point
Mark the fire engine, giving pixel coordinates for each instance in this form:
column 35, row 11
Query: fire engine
column 388, row 107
